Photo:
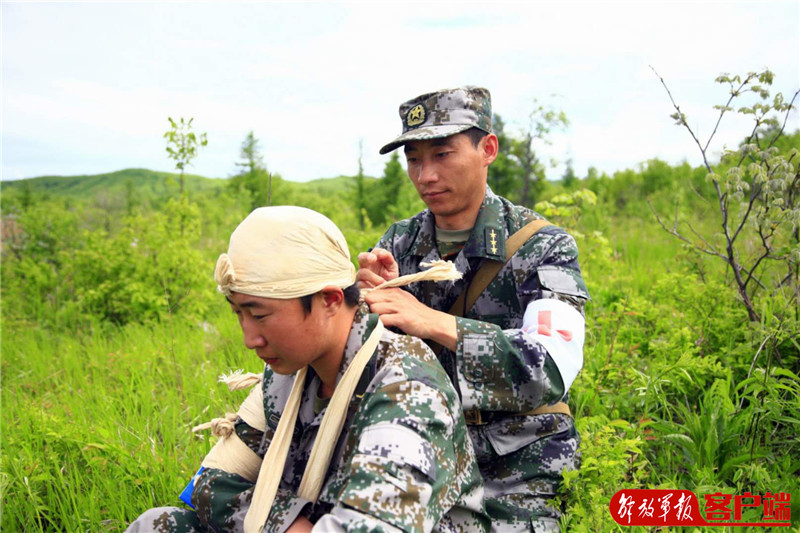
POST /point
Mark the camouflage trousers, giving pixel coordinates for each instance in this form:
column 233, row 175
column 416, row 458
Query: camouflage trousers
column 521, row 460
column 167, row 520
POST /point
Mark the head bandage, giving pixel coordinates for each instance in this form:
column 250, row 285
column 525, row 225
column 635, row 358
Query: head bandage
column 284, row 252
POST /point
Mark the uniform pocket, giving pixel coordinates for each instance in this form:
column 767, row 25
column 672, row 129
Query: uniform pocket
column 562, row 281
column 479, row 357
column 400, row 445
column 515, row 432
column 391, row 476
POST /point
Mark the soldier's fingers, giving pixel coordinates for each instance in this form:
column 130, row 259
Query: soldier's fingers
column 392, row 320
column 384, row 256
column 366, row 259
column 367, row 279
column 393, row 294
column 390, row 315
column 386, row 260
column 381, row 303
column 374, row 297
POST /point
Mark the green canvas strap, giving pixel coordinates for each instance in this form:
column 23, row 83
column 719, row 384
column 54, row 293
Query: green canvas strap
column 483, row 277
column 489, row 269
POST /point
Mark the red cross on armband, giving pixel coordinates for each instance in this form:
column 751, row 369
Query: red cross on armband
column 560, row 329
column 546, row 329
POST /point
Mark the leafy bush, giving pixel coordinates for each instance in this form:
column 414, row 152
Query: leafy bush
column 57, row 273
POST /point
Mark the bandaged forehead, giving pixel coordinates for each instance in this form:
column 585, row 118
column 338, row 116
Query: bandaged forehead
column 284, row 252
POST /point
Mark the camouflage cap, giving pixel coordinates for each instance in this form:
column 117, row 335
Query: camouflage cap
column 444, row 113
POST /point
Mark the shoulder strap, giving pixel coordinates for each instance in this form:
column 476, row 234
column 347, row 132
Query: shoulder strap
column 480, row 281
column 489, row 269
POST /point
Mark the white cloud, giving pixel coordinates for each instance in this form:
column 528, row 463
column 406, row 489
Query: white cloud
column 87, row 87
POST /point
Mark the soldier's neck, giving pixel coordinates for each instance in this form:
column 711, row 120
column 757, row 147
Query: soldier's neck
column 328, row 365
column 457, row 222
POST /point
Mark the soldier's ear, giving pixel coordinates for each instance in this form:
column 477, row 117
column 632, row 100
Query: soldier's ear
column 332, row 299
column 490, row 147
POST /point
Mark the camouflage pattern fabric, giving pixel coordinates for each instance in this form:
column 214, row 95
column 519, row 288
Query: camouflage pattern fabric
column 442, row 114
column 403, row 463
column 497, row 369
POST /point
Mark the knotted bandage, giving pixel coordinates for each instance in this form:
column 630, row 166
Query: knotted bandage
column 284, row 252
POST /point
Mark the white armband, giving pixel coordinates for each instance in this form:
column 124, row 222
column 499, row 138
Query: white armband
column 560, row 328
column 232, row 455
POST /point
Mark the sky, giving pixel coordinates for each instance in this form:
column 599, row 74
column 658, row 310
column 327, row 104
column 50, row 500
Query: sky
column 87, row 88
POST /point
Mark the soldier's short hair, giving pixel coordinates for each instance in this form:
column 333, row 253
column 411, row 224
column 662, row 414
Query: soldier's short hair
column 475, row 135
column 351, row 297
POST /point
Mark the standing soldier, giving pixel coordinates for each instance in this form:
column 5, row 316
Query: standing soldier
column 510, row 333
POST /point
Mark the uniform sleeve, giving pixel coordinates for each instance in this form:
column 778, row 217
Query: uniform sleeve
column 221, row 496
column 404, row 464
column 523, row 368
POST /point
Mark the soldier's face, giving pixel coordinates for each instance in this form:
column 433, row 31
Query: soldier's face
column 450, row 176
column 280, row 332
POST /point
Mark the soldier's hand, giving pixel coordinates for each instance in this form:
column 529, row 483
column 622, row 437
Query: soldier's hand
column 375, row 267
column 400, row 309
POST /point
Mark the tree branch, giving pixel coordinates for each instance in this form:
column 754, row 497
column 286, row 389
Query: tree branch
column 754, row 192
column 674, row 232
column 724, row 109
column 749, row 137
column 683, row 120
column 766, row 254
column 785, row 119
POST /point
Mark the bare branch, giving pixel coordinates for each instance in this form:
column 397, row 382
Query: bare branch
column 750, row 274
column 785, row 118
column 733, row 261
column 675, row 233
column 786, row 279
column 734, row 94
column 749, row 137
column 680, row 116
column 723, row 209
column 697, row 234
column 765, row 255
column 754, row 192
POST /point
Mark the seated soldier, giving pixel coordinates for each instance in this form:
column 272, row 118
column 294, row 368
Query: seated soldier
column 404, row 461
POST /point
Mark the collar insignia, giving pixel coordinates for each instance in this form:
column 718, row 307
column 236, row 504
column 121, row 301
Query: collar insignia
column 491, row 240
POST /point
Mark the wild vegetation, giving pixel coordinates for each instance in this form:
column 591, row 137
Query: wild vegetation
column 113, row 333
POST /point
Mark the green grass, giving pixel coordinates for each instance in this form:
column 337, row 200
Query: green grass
column 96, row 424
column 96, row 418
column 96, row 421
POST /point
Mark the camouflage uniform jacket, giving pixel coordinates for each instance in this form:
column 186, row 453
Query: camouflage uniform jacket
column 499, row 369
column 403, row 462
